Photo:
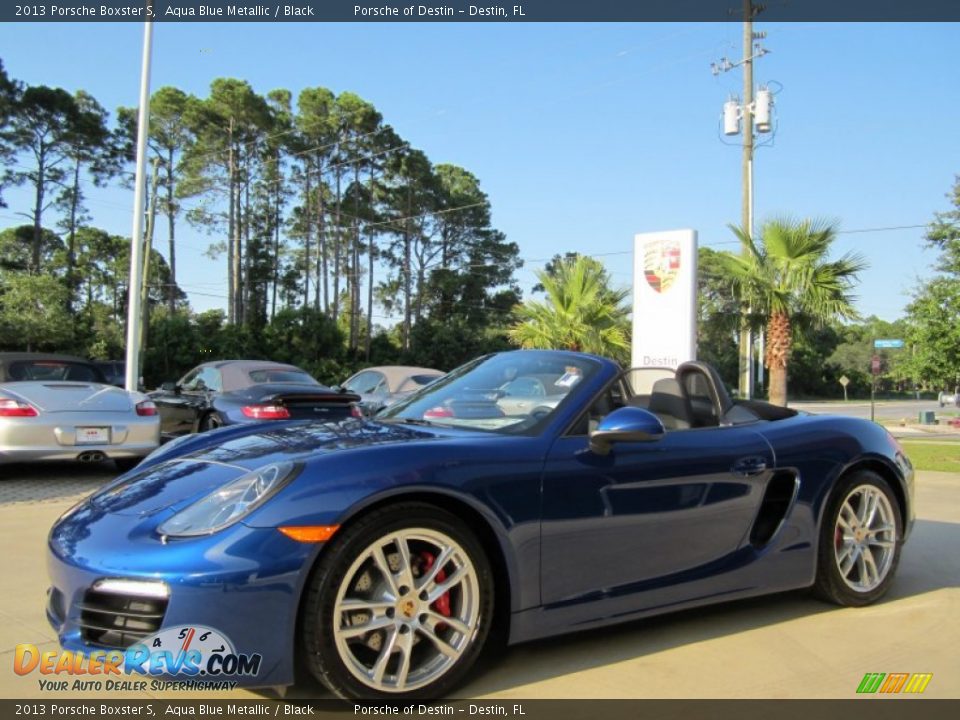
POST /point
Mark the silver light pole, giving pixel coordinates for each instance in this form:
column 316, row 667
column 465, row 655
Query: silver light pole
column 136, row 241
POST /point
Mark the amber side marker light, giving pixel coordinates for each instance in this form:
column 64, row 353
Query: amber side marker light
column 310, row 533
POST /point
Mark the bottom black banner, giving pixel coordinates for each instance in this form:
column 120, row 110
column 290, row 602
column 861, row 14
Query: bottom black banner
column 875, row 708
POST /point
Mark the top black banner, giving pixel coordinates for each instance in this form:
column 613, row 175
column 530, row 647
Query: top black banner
column 457, row 11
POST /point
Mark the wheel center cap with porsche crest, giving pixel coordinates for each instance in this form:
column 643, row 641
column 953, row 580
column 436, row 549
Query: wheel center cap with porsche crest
column 407, row 608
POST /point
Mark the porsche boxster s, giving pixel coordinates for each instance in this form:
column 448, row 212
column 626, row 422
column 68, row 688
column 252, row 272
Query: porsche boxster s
column 382, row 555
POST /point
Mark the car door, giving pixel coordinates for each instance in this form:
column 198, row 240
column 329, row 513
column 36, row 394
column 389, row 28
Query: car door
column 172, row 405
column 197, row 396
column 648, row 514
column 371, row 386
column 180, row 410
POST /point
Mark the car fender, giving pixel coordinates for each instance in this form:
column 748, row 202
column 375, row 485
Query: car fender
column 500, row 491
column 449, row 499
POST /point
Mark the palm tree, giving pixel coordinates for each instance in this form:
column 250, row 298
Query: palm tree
column 787, row 279
column 581, row 312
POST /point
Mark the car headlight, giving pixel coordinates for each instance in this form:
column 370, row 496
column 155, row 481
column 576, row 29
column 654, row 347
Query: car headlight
column 227, row 504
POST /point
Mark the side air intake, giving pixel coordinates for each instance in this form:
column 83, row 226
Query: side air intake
column 773, row 508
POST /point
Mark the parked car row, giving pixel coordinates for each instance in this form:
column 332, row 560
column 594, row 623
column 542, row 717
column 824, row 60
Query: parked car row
column 55, row 407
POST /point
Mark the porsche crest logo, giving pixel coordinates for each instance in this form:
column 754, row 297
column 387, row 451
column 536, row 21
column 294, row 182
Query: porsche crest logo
column 661, row 264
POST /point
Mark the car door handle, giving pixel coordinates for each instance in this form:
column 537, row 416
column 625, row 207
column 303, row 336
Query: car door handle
column 746, row 467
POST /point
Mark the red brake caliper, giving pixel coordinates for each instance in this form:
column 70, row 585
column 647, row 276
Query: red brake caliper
column 442, row 603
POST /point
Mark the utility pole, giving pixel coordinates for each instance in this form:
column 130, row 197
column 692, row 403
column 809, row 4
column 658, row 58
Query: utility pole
column 231, row 222
column 755, row 112
column 136, row 237
column 746, row 336
column 147, row 251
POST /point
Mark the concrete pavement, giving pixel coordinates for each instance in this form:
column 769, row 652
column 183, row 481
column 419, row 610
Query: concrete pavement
column 786, row 646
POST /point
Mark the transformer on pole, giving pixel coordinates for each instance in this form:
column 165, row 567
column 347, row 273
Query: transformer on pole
column 753, row 114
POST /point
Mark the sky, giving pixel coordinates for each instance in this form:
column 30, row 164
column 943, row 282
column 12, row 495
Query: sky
column 583, row 134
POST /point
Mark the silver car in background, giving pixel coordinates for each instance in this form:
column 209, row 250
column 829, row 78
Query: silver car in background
column 57, row 407
column 381, row 386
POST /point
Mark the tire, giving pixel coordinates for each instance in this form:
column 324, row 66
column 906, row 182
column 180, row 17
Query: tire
column 539, row 413
column 126, row 464
column 210, row 421
column 858, row 556
column 418, row 646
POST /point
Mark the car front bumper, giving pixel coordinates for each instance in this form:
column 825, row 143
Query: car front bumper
column 243, row 582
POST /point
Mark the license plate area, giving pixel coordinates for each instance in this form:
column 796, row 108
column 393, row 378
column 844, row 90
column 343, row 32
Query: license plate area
column 93, row 436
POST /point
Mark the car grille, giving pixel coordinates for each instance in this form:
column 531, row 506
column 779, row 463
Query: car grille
column 118, row 620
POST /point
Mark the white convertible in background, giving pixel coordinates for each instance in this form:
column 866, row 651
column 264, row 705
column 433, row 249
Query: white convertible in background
column 56, row 407
column 946, row 398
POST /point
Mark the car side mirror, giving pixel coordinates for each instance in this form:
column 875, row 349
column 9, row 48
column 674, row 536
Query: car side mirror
column 628, row 424
column 169, row 387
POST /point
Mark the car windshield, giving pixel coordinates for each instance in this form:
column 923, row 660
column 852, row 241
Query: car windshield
column 509, row 393
column 259, row 377
column 53, row 370
column 423, row 379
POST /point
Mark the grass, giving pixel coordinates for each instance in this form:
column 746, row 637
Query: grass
column 932, row 455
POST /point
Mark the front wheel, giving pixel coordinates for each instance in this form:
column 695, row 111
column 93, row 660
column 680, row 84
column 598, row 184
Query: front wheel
column 400, row 605
column 860, row 540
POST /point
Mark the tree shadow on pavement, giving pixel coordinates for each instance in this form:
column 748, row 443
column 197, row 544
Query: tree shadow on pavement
column 52, row 481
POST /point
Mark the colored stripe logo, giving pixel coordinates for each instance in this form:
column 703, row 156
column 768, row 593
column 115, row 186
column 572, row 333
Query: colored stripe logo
column 893, row 683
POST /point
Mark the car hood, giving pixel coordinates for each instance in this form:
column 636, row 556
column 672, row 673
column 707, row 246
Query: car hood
column 52, row 397
column 179, row 474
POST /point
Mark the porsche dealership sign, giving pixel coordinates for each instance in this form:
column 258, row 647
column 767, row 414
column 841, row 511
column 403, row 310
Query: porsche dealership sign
column 664, row 298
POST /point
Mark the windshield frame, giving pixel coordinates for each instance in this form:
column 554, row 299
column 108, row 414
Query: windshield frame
column 589, row 368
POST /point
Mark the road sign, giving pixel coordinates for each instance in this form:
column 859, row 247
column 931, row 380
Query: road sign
column 875, row 365
column 888, row 343
column 844, row 380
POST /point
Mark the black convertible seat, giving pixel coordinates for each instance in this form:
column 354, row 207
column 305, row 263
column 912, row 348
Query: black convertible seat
column 669, row 402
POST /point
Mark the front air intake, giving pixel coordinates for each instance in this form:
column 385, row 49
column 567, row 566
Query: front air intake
column 112, row 619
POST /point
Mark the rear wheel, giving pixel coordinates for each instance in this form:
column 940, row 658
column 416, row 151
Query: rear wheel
column 400, row 607
column 210, row 422
column 860, row 541
column 126, row 464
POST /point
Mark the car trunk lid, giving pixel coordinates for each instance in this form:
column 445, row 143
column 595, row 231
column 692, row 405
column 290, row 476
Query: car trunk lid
column 56, row 397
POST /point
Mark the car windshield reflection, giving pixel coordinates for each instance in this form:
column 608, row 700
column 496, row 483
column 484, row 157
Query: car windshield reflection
column 510, row 393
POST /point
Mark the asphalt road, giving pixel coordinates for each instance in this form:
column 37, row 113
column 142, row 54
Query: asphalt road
column 783, row 646
column 884, row 409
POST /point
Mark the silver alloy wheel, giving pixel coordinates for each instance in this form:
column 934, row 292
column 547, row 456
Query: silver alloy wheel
column 406, row 610
column 865, row 538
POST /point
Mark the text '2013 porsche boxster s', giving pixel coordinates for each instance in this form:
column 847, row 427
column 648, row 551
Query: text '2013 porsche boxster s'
column 381, row 555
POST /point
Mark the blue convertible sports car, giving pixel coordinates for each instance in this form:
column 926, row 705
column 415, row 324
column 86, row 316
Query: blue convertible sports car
column 381, row 555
